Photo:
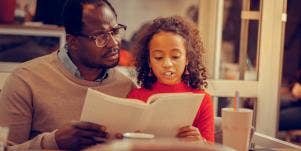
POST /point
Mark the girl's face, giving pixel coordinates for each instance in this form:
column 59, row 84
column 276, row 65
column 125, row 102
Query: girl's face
column 167, row 57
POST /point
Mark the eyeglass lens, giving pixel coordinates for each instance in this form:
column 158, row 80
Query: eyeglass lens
column 102, row 39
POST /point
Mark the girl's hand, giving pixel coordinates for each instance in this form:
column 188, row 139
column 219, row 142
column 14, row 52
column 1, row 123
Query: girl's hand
column 190, row 132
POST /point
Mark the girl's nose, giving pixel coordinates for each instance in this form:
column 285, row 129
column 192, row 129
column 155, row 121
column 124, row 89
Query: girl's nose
column 167, row 62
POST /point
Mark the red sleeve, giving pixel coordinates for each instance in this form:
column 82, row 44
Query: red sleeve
column 138, row 94
column 132, row 94
column 204, row 120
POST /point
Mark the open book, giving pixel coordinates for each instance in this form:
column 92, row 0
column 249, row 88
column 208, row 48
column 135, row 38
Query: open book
column 162, row 115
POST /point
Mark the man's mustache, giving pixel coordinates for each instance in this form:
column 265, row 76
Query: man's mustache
column 114, row 50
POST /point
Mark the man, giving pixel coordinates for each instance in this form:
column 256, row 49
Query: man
column 42, row 96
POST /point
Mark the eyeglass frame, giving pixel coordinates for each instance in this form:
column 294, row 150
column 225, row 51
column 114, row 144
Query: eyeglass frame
column 106, row 33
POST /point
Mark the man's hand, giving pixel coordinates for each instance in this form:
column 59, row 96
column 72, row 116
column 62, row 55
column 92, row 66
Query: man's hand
column 190, row 132
column 78, row 135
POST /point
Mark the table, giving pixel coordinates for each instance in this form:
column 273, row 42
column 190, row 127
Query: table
column 158, row 144
column 263, row 142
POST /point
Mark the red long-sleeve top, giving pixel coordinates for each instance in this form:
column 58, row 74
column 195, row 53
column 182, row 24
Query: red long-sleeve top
column 204, row 119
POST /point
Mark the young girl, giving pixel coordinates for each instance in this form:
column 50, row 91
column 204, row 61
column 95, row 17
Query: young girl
column 169, row 53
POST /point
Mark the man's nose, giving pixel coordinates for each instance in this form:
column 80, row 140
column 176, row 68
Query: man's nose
column 112, row 41
column 167, row 62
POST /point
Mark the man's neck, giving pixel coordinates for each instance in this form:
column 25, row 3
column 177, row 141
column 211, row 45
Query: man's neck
column 89, row 74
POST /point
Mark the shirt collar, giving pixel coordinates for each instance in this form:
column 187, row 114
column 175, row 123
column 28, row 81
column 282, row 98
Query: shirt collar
column 71, row 67
column 179, row 87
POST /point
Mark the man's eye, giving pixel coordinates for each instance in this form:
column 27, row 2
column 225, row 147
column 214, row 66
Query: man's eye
column 101, row 36
column 116, row 31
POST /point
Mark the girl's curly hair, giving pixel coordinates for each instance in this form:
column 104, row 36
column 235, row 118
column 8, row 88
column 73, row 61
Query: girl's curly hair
column 194, row 50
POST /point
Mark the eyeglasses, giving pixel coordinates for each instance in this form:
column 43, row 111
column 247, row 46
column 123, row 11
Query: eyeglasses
column 102, row 38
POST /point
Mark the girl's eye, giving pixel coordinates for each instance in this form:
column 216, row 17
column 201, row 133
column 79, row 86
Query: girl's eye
column 158, row 58
column 176, row 57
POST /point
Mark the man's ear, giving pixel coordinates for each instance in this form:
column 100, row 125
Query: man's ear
column 72, row 42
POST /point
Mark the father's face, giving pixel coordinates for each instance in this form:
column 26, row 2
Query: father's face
column 98, row 20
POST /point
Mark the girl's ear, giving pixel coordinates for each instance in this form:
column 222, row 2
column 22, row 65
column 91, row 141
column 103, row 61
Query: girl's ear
column 186, row 56
column 149, row 64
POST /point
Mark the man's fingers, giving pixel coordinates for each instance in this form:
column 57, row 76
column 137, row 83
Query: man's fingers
column 89, row 126
column 85, row 133
column 85, row 142
column 119, row 135
column 100, row 139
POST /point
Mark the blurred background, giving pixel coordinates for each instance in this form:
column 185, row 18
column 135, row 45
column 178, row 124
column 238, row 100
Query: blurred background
column 239, row 56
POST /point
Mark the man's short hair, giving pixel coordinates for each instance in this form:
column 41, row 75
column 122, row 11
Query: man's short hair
column 73, row 13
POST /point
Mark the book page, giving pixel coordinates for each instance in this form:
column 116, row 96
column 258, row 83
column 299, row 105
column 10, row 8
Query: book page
column 169, row 113
column 119, row 115
column 166, row 113
column 154, row 97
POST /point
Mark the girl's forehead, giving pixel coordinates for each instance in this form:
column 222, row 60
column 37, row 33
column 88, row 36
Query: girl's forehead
column 167, row 41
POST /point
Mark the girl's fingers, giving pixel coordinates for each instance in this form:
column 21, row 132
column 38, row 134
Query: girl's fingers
column 189, row 133
column 187, row 129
